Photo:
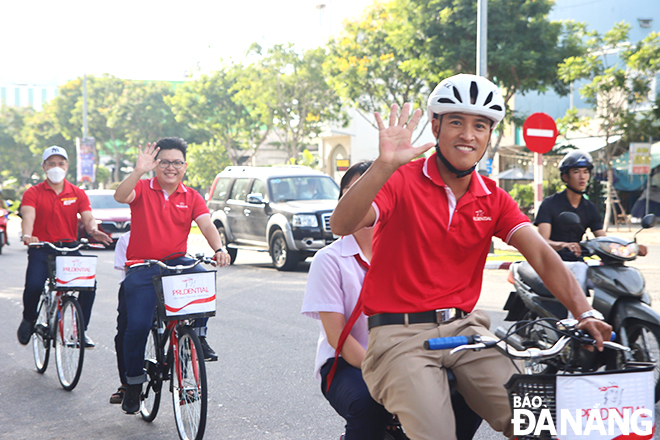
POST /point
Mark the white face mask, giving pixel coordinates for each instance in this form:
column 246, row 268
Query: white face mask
column 56, row 174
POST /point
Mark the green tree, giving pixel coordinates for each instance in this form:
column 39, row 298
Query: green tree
column 214, row 107
column 370, row 66
column 17, row 161
column 205, row 160
column 618, row 76
column 293, row 87
column 142, row 116
column 40, row 132
column 403, row 48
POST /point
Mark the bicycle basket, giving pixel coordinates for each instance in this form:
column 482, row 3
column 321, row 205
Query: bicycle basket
column 186, row 295
column 575, row 399
column 75, row 272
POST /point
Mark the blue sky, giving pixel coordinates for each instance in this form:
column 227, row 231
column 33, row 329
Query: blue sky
column 48, row 43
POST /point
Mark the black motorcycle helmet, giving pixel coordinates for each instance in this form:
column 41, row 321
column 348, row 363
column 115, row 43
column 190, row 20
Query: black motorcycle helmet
column 576, row 159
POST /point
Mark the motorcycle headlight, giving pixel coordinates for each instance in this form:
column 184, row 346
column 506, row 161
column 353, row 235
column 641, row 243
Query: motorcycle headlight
column 622, row 251
column 305, row 221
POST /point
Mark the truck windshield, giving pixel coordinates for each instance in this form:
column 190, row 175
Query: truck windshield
column 284, row 189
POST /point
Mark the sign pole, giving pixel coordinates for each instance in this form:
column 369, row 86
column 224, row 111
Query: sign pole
column 538, row 181
column 540, row 134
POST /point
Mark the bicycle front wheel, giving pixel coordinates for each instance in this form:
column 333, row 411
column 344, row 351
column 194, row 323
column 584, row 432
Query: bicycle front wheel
column 153, row 363
column 41, row 338
column 70, row 346
column 644, row 340
column 189, row 396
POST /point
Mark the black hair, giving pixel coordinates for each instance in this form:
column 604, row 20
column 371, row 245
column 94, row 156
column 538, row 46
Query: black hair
column 173, row 143
column 356, row 169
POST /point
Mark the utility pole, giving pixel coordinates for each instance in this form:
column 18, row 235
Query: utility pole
column 84, row 107
column 482, row 38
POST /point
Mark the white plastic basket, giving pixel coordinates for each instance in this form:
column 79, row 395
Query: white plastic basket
column 186, row 296
column 75, row 271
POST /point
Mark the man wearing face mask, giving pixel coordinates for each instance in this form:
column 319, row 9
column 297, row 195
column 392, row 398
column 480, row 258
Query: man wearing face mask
column 50, row 213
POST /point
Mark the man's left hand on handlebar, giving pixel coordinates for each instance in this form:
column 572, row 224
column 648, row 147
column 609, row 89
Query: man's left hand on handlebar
column 599, row 330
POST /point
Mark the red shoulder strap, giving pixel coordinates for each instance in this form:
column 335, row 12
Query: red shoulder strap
column 349, row 325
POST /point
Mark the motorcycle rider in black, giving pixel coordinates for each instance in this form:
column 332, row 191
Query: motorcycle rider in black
column 575, row 169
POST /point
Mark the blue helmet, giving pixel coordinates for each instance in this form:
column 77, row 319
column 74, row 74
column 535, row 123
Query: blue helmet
column 576, row 159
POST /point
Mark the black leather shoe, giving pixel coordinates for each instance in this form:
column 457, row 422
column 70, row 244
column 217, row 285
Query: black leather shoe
column 209, row 353
column 131, row 402
column 25, row 331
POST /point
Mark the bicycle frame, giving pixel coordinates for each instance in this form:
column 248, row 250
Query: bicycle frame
column 169, row 344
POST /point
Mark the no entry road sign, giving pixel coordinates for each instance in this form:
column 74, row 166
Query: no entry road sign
column 540, row 133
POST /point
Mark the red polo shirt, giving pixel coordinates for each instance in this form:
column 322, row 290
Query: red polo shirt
column 56, row 214
column 422, row 259
column 160, row 225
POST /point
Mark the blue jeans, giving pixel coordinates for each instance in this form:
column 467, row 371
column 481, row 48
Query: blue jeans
column 136, row 315
column 365, row 418
column 35, row 277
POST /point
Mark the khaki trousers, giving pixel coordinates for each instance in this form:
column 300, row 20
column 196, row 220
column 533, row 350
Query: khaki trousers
column 411, row 381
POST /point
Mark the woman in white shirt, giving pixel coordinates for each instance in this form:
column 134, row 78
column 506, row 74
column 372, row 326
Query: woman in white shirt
column 333, row 287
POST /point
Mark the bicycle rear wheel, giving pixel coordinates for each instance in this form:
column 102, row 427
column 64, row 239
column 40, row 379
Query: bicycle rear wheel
column 41, row 339
column 153, row 362
column 70, row 346
column 189, row 392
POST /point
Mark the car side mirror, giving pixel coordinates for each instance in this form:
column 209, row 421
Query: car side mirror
column 569, row 218
column 649, row 221
column 256, row 199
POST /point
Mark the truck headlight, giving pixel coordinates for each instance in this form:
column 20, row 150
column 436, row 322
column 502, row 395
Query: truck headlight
column 305, row 221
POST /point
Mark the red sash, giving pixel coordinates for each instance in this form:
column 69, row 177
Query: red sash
column 349, row 325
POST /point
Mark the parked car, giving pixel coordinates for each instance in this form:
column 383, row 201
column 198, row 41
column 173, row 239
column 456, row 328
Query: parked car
column 112, row 217
column 283, row 210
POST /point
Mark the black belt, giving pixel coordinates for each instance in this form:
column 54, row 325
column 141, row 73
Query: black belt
column 432, row 316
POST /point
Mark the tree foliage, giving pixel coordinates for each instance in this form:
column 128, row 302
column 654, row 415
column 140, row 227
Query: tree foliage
column 205, row 160
column 214, row 107
column 398, row 51
column 16, row 159
column 371, row 65
column 293, row 87
column 618, row 78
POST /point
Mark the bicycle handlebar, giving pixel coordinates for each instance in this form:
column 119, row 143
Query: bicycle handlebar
column 82, row 244
column 199, row 258
column 478, row 342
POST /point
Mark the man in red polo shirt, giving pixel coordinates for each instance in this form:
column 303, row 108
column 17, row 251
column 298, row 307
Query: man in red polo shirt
column 162, row 209
column 50, row 213
column 434, row 220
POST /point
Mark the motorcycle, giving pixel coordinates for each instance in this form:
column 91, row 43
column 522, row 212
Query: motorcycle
column 4, row 218
column 618, row 291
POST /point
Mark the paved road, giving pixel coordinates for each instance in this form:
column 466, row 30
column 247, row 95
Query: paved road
column 261, row 388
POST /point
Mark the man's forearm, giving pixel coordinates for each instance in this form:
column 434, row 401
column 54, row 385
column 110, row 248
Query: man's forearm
column 561, row 282
column 28, row 215
column 125, row 188
column 351, row 212
column 212, row 236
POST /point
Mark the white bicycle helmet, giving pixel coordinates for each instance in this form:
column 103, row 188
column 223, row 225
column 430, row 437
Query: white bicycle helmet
column 471, row 94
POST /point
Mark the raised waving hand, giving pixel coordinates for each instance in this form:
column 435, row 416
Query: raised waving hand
column 146, row 160
column 394, row 141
